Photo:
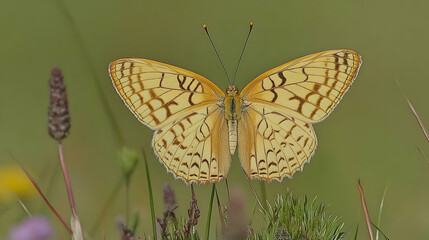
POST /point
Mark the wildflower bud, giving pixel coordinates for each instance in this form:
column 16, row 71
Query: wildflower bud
column 32, row 228
column 128, row 159
column 58, row 115
column 169, row 197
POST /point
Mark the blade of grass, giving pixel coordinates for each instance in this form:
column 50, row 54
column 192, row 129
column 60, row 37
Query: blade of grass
column 415, row 113
column 253, row 213
column 423, row 156
column 149, row 186
column 227, row 188
column 209, row 215
column 219, row 208
column 356, row 232
column 263, row 194
column 254, row 192
column 365, row 211
column 23, row 206
column 380, row 210
column 378, row 229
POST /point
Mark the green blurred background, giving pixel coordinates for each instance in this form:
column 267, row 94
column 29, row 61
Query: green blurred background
column 372, row 135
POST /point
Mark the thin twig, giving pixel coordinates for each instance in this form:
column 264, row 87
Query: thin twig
column 46, row 200
column 365, row 211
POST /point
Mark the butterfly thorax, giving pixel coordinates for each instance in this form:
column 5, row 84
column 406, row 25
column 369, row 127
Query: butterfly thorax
column 232, row 105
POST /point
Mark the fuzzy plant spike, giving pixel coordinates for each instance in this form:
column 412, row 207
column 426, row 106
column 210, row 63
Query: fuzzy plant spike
column 58, row 112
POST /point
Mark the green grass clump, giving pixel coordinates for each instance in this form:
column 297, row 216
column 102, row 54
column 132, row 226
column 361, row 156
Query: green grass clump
column 297, row 219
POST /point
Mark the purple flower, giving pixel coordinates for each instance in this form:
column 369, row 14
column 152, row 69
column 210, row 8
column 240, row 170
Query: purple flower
column 32, row 228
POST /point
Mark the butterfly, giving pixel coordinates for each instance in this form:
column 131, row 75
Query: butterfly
column 197, row 126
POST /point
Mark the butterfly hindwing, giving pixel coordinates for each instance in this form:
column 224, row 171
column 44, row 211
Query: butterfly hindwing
column 195, row 147
column 273, row 144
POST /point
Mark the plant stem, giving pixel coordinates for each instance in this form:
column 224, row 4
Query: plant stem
column 365, row 211
column 67, row 179
column 149, row 185
column 377, row 233
column 127, row 200
column 46, row 200
column 209, row 216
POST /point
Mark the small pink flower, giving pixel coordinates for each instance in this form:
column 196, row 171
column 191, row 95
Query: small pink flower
column 32, row 228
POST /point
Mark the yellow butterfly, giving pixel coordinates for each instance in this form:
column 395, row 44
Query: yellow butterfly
column 197, row 127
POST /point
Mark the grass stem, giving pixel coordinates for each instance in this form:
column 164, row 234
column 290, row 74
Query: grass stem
column 152, row 206
column 209, row 215
column 365, row 211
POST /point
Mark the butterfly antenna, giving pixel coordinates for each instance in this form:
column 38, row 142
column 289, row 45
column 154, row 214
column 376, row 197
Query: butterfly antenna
column 244, row 47
column 217, row 54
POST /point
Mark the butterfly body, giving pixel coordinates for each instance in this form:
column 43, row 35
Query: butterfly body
column 197, row 127
column 233, row 112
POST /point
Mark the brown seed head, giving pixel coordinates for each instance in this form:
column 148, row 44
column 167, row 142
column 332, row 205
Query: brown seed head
column 58, row 113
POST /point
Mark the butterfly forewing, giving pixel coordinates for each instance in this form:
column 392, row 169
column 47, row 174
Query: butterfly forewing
column 157, row 93
column 307, row 88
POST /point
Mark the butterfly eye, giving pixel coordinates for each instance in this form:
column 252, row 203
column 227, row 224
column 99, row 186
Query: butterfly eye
column 236, row 90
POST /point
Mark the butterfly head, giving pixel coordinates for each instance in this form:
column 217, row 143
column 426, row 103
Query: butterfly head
column 231, row 91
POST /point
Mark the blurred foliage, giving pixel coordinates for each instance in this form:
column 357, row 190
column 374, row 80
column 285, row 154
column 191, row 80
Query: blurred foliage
column 128, row 159
column 371, row 135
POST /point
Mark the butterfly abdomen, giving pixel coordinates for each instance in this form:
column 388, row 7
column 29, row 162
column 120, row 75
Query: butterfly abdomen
column 232, row 135
column 233, row 115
